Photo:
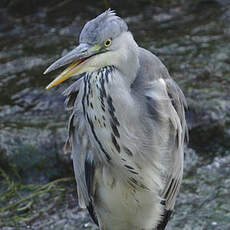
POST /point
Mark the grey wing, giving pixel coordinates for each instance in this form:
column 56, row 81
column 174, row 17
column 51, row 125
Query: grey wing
column 179, row 128
column 155, row 83
column 78, row 142
column 179, row 133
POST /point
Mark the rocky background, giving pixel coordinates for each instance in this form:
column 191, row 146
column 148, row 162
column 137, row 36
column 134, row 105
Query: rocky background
column 192, row 37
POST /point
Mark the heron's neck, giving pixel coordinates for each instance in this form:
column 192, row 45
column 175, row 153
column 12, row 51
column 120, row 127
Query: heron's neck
column 124, row 58
column 127, row 61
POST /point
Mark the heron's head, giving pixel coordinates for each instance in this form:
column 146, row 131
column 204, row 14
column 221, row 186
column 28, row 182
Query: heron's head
column 103, row 41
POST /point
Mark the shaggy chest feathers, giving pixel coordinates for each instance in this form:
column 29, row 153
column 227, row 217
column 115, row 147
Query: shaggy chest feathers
column 113, row 134
column 100, row 114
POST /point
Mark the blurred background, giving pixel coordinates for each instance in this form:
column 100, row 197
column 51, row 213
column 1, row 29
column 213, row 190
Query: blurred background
column 191, row 37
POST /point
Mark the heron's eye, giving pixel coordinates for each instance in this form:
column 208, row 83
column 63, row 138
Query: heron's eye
column 108, row 42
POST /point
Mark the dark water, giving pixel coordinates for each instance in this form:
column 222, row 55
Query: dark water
column 194, row 43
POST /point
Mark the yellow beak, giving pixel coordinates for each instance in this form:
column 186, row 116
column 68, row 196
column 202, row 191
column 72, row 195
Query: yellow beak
column 75, row 57
column 67, row 73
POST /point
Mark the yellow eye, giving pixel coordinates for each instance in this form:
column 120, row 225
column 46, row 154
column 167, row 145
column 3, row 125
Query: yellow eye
column 108, row 42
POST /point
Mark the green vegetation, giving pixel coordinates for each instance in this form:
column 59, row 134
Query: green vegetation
column 20, row 204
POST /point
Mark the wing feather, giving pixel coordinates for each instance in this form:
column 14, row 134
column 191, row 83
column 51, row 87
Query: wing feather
column 78, row 142
column 89, row 176
column 177, row 113
column 155, row 82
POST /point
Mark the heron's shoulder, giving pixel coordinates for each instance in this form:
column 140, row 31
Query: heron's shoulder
column 151, row 67
column 146, row 55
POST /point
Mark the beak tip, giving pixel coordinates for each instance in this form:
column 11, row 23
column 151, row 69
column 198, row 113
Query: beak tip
column 48, row 87
column 46, row 71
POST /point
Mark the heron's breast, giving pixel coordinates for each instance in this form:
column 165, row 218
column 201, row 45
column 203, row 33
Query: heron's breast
column 112, row 118
column 135, row 210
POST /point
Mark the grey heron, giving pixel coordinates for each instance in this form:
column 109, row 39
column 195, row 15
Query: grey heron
column 127, row 127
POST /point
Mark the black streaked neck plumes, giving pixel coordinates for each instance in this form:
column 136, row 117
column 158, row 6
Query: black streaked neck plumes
column 96, row 81
column 96, row 106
